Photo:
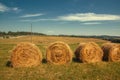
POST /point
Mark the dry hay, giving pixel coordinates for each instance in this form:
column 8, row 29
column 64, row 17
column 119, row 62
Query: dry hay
column 59, row 53
column 89, row 52
column 115, row 54
column 26, row 54
column 111, row 52
column 106, row 48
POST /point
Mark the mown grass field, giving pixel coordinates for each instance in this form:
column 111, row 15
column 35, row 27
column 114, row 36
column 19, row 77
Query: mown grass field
column 72, row 71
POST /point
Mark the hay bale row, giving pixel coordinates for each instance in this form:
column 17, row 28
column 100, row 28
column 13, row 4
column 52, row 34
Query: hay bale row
column 89, row 53
column 27, row 54
column 111, row 52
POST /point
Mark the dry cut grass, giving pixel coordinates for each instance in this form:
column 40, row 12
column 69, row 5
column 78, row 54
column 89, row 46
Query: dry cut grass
column 45, row 40
column 71, row 71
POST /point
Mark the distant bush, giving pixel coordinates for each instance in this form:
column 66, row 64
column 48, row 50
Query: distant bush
column 6, row 37
column 114, row 40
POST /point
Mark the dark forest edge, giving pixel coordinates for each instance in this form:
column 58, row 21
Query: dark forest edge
column 115, row 39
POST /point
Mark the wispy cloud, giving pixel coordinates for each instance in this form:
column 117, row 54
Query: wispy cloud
column 91, row 23
column 27, row 20
column 4, row 8
column 31, row 15
column 89, row 17
column 37, row 20
column 15, row 9
column 50, row 31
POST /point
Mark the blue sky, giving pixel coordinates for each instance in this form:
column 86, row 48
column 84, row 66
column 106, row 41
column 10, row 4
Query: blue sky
column 72, row 17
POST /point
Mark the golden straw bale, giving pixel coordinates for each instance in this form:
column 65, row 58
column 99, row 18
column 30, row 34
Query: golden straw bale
column 114, row 53
column 89, row 52
column 106, row 48
column 26, row 54
column 59, row 53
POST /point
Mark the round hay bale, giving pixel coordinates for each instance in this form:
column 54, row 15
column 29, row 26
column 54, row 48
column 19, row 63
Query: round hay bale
column 106, row 48
column 114, row 53
column 89, row 52
column 59, row 53
column 26, row 54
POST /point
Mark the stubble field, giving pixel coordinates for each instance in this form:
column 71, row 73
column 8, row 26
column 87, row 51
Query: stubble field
column 73, row 71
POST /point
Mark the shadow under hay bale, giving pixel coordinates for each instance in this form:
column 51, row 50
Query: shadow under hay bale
column 76, row 60
column 59, row 53
column 89, row 52
column 26, row 54
column 44, row 61
column 9, row 64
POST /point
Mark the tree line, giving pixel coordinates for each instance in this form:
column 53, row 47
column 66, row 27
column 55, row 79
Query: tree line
column 10, row 33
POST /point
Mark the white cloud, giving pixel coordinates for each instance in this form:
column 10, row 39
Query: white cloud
column 4, row 8
column 26, row 20
column 50, row 31
column 89, row 17
column 31, row 15
column 48, row 20
column 15, row 9
column 91, row 23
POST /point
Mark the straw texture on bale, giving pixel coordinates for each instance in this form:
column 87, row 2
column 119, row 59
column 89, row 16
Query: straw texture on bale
column 89, row 52
column 26, row 54
column 115, row 54
column 106, row 49
column 59, row 53
column 111, row 52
